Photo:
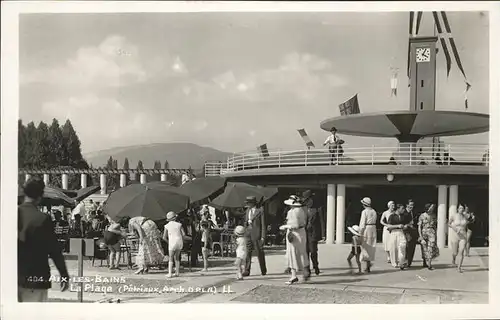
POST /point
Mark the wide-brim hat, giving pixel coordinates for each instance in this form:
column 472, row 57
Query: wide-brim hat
column 171, row 216
column 239, row 231
column 251, row 200
column 354, row 230
column 366, row 202
column 293, row 201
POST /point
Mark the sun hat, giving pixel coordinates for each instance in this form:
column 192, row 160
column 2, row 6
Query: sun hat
column 354, row 230
column 250, row 200
column 239, row 230
column 171, row 216
column 366, row 202
column 293, row 201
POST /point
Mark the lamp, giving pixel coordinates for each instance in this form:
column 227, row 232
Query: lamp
column 390, row 177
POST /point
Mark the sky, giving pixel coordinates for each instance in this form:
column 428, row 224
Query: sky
column 231, row 81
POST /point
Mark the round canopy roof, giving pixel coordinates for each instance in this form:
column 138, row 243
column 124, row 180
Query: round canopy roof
column 410, row 125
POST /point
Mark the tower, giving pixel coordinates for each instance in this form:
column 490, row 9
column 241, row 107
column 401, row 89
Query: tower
column 423, row 73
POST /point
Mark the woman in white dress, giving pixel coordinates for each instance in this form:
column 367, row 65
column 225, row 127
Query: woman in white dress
column 384, row 219
column 174, row 234
column 368, row 230
column 296, row 240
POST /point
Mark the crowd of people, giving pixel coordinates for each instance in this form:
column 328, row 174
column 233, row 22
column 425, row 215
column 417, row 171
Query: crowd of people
column 403, row 231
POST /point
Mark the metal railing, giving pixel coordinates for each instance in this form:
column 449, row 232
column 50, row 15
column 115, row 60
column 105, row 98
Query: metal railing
column 404, row 155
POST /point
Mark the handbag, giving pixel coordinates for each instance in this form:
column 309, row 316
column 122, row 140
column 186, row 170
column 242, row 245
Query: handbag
column 290, row 237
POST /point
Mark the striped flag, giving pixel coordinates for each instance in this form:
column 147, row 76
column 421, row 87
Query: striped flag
column 394, row 82
column 455, row 54
column 442, row 39
column 351, row 106
column 263, row 150
column 306, row 138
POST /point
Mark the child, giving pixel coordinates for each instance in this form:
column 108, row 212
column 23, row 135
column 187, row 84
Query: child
column 174, row 234
column 241, row 251
column 205, row 243
column 356, row 247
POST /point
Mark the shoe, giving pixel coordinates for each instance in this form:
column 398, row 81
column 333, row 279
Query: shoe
column 316, row 271
column 287, row 271
column 246, row 273
column 264, row 273
column 239, row 277
column 292, row 281
column 169, row 275
column 140, row 271
column 430, row 268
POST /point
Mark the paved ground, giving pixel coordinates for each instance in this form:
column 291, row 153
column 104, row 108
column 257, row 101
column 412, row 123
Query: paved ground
column 334, row 285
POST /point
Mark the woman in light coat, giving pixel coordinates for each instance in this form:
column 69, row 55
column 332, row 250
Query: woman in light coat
column 296, row 239
column 368, row 230
column 384, row 219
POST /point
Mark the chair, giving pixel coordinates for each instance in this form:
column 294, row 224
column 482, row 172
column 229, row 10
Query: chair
column 101, row 252
column 228, row 245
column 129, row 248
column 62, row 235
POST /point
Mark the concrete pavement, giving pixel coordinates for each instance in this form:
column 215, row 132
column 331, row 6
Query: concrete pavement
column 334, row 285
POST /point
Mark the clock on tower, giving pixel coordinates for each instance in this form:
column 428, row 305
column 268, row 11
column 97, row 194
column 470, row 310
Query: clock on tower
column 422, row 73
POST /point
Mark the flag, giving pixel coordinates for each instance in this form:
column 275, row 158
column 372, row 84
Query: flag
column 351, row 106
column 263, row 150
column 306, row 138
column 456, row 55
column 394, row 83
column 443, row 42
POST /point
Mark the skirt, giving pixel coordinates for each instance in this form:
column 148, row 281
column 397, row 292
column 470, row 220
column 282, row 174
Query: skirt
column 150, row 251
column 385, row 239
column 369, row 242
column 296, row 251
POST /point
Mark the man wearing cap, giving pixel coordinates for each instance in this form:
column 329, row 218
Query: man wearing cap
column 313, row 228
column 256, row 234
column 334, row 145
column 36, row 243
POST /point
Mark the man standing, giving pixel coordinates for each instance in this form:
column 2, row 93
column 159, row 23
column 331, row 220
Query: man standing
column 36, row 243
column 334, row 145
column 411, row 232
column 256, row 234
column 313, row 229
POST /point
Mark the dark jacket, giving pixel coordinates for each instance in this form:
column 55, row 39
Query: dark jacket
column 313, row 226
column 36, row 243
column 257, row 230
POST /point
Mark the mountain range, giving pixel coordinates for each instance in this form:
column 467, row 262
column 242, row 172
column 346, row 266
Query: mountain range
column 178, row 155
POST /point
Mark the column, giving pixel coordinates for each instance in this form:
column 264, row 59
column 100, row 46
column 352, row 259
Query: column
column 163, row 177
column 83, row 180
column 27, row 176
column 143, row 178
column 453, row 204
column 441, row 216
column 103, row 183
column 123, row 180
column 65, row 181
column 330, row 213
column 46, row 179
column 339, row 236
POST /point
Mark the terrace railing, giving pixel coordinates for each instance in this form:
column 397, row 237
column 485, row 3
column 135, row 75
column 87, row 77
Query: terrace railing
column 403, row 155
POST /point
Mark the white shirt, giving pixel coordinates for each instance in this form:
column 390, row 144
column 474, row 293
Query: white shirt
column 79, row 209
column 332, row 139
column 174, row 231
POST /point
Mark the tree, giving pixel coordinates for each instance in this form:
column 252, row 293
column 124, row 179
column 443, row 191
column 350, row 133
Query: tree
column 41, row 146
column 126, row 166
column 166, row 165
column 21, row 144
column 29, row 145
column 57, row 155
column 72, row 146
column 140, row 166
